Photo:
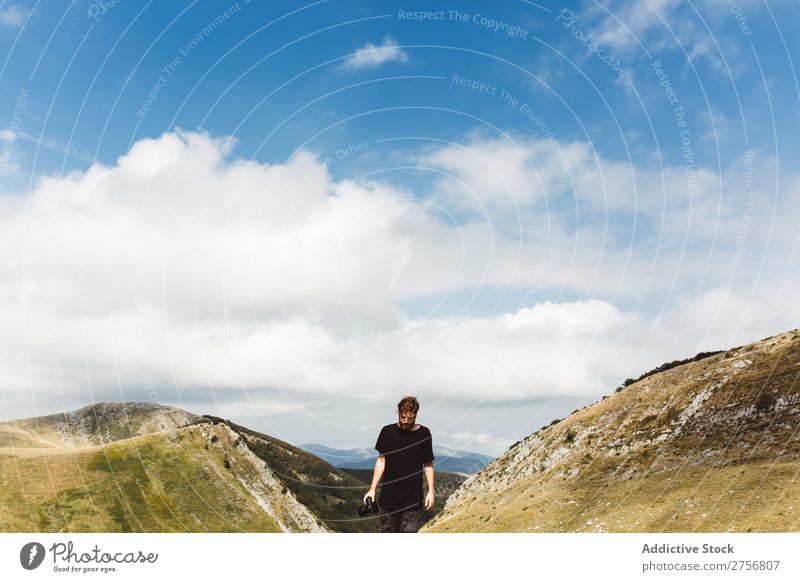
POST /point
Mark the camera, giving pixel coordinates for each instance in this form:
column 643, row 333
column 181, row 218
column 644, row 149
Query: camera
column 369, row 507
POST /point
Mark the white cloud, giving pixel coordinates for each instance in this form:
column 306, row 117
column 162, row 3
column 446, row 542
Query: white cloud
column 208, row 273
column 481, row 442
column 371, row 56
column 204, row 271
column 629, row 24
column 13, row 15
column 570, row 188
column 665, row 25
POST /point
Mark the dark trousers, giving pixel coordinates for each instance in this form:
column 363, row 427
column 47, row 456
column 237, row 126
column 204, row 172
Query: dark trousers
column 400, row 521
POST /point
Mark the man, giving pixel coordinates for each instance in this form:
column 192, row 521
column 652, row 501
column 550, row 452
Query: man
column 405, row 451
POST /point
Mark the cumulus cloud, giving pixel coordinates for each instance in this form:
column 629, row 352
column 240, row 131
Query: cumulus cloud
column 610, row 218
column 371, row 56
column 180, row 264
column 487, row 175
column 269, row 287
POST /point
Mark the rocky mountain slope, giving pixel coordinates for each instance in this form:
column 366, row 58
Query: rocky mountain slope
column 146, row 467
column 710, row 445
column 330, row 493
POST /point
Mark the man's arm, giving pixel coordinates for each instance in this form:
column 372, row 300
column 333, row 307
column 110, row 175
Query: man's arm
column 428, row 468
column 377, row 473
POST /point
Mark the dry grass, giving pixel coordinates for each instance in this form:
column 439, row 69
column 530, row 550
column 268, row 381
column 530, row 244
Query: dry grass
column 761, row 497
column 157, row 483
column 709, row 446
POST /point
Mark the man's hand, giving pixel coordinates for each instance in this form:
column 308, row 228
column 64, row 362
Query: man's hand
column 377, row 473
column 428, row 468
column 429, row 500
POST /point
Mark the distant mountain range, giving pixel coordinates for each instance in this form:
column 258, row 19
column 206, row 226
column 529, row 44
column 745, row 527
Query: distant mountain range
column 449, row 460
column 707, row 444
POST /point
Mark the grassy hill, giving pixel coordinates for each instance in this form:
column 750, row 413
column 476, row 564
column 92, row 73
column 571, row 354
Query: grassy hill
column 117, row 467
column 710, row 445
column 163, row 482
column 95, row 424
column 146, row 467
column 142, row 467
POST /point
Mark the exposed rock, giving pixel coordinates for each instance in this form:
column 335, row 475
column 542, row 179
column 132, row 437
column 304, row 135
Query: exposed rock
column 725, row 410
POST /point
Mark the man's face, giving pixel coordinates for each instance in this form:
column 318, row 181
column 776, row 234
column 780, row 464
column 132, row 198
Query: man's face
column 407, row 419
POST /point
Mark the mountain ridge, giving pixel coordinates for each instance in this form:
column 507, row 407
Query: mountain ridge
column 629, row 462
column 134, row 466
column 80, row 427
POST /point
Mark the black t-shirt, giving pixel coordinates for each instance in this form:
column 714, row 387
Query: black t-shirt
column 405, row 451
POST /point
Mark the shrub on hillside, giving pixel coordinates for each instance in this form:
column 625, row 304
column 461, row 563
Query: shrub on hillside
column 667, row 366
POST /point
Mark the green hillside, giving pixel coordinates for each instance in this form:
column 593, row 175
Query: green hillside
column 165, row 482
column 139, row 467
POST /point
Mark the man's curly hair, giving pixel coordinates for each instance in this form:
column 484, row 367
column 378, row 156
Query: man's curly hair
column 408, row 404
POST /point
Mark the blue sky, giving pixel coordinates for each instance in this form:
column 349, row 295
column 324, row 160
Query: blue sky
column 569, row 193
column 89, row 72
